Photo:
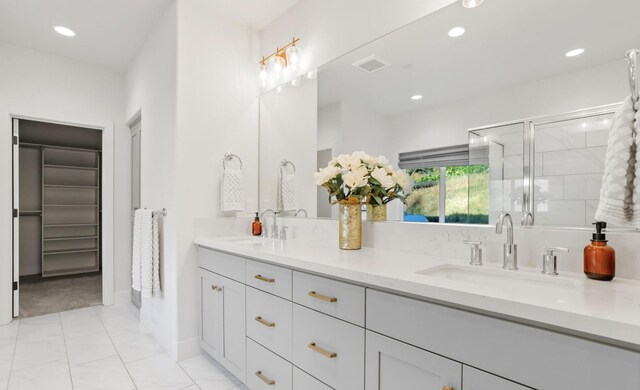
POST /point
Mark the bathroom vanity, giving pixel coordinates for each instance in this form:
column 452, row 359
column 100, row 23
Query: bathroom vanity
column 300, row 315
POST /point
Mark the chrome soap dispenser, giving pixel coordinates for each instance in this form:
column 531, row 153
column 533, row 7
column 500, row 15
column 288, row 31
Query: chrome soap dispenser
column 599, row 258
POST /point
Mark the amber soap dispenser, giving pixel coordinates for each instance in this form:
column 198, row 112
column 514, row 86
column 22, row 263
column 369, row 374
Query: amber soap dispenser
column 599, row 258
column 256, row 226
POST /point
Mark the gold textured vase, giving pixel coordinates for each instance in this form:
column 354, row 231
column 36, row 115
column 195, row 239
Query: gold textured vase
column 376, row 213
column 350, row 226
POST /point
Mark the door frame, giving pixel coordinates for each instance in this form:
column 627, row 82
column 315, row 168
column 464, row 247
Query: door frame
column 7, row 114
column 135, row 127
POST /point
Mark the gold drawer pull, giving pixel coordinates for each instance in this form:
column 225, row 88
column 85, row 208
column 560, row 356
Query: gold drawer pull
column 265, row 322
column 321, row 297
column 266, row 380
column 447, row 388
column 322, row 351
column 268, row 280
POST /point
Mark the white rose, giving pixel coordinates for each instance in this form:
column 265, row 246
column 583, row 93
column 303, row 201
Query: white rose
column 364, row 157
column 381, row 161
column 333, row 163
column 349, row 161
column 356, row 178
column 325, row 174
column 405, row 181
column 388, row 168
column 381, row 175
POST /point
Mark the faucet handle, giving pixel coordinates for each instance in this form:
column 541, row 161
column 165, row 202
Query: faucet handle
column 283, row 232
column 550, row 260
column 476, row 252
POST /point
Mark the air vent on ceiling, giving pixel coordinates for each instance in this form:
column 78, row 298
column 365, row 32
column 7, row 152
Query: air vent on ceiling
column 371, row 64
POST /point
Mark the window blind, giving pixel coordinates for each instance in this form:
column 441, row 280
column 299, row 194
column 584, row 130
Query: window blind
column 434, row 158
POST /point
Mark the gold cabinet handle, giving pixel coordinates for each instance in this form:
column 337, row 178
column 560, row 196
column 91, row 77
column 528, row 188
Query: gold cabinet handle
column 447, row 388
column 321, row 297
column 219, row 289
column 266, row 380
column 214, row 287
column 265, row 279
column 323, row 351
column 265, row 322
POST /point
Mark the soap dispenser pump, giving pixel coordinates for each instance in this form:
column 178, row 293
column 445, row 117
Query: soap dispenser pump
column 599, row 258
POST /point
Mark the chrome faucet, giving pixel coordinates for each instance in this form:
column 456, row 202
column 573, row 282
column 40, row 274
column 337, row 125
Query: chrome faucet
column 298, row 211
column 510, row 249
column 273, row 231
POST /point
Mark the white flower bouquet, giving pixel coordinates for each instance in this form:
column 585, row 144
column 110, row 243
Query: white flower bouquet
column 358, row 177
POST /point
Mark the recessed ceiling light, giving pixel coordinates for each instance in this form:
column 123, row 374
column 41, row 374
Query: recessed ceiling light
column 66, row 31
column 456, row 32
column 471, row 3
column 416, row 97
column 574, row 52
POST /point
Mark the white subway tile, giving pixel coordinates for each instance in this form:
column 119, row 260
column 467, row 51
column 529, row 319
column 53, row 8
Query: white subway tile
column 582, row 186
column 572, row 162
column 560, row 137
column 560, row 213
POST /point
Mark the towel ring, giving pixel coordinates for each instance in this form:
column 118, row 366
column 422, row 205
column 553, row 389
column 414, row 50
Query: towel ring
column 230, row 156
column 284, row 163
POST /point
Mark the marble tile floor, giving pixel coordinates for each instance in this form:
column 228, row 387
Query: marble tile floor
column 98, row 348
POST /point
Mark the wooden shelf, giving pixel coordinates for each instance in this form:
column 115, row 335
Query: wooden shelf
column 71, row 225
column 70, row 205
column 70, row 271
column 29, row 212
column 69, row 167
column 67, row 186
column 70, row 238
column 70, row 251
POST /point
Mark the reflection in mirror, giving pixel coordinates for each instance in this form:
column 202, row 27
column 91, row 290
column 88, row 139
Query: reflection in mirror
column 415, row 94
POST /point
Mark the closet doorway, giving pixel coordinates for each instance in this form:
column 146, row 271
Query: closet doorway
column 58, row 227
column 135, row 125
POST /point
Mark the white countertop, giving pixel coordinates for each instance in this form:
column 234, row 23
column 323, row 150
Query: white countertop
column 606, row 311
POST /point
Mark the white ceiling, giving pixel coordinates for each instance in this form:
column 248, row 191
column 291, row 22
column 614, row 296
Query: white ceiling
column 507, row 43
column 256, row 14
column 109, row 32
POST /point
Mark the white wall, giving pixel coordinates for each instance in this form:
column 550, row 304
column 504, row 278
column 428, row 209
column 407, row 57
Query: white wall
column 217, row 112
column 151, row 86
column 57, row 87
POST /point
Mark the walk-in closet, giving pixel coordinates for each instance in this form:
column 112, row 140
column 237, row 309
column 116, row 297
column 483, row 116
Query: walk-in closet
column 59, row 210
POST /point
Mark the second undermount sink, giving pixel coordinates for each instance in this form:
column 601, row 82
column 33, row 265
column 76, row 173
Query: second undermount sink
column 493, row 277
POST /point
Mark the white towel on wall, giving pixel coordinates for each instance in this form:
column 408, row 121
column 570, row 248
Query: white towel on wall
column 232, row 197
column 619, row 187
column 287, row 199
column 145, row 267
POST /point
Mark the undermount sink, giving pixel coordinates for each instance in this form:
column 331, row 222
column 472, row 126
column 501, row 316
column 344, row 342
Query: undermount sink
column 254, row 241
column 497, row 277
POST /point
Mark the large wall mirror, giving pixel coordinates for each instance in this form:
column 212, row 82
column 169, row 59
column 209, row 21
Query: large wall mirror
column 506, row 117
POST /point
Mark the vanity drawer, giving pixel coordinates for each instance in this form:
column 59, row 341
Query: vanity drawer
column 269, row 321
column 233, row 267
column 338, row 299
column 329, row 349
column 266, row 370
column 304, row 381
column 270, row 278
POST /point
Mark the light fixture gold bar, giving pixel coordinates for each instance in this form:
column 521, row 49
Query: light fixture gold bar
column 279, row 50
column 322, row 351
column 265, row 279
column 266, row 380
column 265, row 322
column 321, row 297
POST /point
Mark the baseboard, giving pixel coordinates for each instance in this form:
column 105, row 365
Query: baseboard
column 122, row 297
column 188, row 348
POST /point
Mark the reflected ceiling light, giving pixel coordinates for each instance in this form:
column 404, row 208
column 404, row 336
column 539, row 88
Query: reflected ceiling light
column 416, row 97
column 66, row 31
column 574, row 52
column 280, row 64
column 471, row 3
column 456, row 32
column 295, row 82
column 312, row 74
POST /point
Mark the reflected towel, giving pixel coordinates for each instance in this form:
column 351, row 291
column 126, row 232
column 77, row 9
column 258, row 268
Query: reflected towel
column 287, row 199
column 617, row 192
column 635, row 220
column 232, row 197
column 145, row 265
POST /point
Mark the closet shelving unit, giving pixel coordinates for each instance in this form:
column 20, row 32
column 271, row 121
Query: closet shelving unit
column 70, row 209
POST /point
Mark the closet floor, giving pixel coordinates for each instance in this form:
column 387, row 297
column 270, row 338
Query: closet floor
column 40, row 296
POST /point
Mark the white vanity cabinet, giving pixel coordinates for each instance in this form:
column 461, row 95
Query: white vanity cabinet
column 473, row 379
column 393, row 365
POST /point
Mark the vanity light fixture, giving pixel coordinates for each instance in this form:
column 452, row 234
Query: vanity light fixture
column 416, row 97
column 312, row 74
column 279, row 64
column 574, row 52
column 471, row 3
column 66, row 31
column 295, row 82
column 456, row 32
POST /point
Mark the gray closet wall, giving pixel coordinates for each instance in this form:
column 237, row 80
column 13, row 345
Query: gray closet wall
column 60, row 205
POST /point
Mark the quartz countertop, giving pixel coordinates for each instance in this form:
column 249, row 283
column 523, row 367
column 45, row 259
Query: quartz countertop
column 571, row 303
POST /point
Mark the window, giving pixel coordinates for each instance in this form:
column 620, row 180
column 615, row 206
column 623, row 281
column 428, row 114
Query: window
column 448, row 189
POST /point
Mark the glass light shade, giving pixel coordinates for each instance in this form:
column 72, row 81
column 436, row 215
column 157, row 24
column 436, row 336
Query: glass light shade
column 294, row 57
column 276, row 66
column 471, row 3
column 295, row 82
column 263, row 75
column 312, row 74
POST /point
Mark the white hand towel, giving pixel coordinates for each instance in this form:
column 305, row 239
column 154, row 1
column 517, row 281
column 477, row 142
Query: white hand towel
column 145, row 265
column 232, row 197
column 287, row 201
column 617, row 193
